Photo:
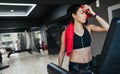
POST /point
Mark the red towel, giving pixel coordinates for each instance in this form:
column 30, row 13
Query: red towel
column 69, row 34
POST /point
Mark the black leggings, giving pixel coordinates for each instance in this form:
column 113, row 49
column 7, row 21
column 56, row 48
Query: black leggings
column 80, row 68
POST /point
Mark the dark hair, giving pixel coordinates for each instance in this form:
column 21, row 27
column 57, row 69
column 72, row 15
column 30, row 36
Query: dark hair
column 73, row 9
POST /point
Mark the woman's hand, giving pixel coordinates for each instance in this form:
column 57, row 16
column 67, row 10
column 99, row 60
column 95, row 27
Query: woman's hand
column 88, row 10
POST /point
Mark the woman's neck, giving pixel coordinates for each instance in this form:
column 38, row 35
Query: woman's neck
column 78, row 25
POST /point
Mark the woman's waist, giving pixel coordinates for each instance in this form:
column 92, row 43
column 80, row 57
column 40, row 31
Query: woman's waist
column 81, row 57
column 81, row 60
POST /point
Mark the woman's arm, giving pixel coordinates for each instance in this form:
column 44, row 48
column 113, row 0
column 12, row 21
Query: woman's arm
column 62, row 50
column 104, row 26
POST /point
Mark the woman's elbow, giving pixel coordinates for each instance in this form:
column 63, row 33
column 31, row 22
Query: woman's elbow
column 107, row 29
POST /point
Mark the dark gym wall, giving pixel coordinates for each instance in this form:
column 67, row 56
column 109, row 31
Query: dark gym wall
column 18, row 23
column 98, row 38
column 54, row 37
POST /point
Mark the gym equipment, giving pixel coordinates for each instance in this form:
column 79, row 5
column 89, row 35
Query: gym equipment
column 55, row 69
column 110, row 57
column 3, row 66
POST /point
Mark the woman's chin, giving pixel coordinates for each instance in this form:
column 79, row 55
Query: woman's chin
column 84, row 22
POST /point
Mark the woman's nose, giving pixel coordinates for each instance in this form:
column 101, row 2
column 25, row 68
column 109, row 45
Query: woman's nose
column 85, row 15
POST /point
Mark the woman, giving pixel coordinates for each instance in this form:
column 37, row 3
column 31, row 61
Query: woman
column 77, row 37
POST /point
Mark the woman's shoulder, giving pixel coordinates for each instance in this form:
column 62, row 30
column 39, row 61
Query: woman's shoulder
column 63, row 33
column 89, row 27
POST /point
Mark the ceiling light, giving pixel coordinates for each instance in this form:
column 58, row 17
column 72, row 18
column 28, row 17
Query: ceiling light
column 97, row 3
column 27, row 9
column 11, row 10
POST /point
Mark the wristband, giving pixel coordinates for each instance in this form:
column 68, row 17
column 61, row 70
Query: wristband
column 95, row 15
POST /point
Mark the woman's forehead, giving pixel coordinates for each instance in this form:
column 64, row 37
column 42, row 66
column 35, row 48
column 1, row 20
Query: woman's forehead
column 80, row 10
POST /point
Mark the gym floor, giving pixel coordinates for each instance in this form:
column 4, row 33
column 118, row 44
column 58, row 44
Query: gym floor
column 25, row 63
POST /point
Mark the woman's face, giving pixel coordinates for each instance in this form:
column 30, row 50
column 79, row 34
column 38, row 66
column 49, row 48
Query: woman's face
column 80, row 16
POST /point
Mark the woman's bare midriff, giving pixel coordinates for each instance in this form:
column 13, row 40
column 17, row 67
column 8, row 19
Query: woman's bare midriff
column 82, row 55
